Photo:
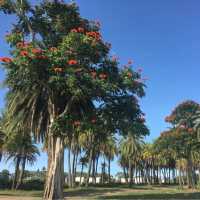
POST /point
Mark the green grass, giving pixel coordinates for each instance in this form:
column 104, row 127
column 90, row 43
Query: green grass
column 136, row 192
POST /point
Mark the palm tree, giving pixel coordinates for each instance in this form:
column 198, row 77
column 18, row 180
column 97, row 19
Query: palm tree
column 20, row 148
column 130, row 148
column 109, row 150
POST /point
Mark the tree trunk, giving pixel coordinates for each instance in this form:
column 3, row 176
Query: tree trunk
column 89, row 166
column 81, row 174
column 190, row 177
column 21, row 173
column 69, row 165
column 109, row 178
column 130, row 172
column 16, row 172
column 73, row 168
column 54, row 184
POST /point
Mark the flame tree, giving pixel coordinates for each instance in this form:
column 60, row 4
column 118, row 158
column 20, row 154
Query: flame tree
column 62, row 79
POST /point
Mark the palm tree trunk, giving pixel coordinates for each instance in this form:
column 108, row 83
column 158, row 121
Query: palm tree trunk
column 130, row 172
column 76, row 162
column 21, row 173
column 81, row 174
column 69, row 167
column 73, row 168
column 190, row 177
column 54, row 185
column 109, row 170
column 89, row 166
column 16, row 172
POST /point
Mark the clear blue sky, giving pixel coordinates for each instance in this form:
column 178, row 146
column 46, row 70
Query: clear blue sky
column 161, row 36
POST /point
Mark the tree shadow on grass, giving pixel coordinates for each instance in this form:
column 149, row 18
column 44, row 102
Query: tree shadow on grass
column 89, row 192
column 18, row 194
column 195, row 195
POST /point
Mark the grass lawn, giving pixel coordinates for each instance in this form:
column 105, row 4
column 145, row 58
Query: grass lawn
column 137, row 192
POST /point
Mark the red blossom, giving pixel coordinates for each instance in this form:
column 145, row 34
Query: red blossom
column 72, row 62
column 74, row 30
column 94, row 34
column 129, row 74
column 6, row 59
column 80, row 29
column 24, row 53
column 36, row 51
column 22, row 44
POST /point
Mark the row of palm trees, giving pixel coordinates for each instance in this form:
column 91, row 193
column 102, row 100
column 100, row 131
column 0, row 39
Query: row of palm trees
column 150, row 163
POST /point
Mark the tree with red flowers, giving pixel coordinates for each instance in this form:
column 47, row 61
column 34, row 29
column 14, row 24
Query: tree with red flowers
column 60, row 76
column 183, row 138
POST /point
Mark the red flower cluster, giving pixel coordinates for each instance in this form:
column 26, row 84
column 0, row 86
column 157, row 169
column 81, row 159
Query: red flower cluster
column 94, row 34
column 6, row 59
column 37, row 51
column 72, row 62
column 22, row 44
column 58, row 69
column 78, row 30
column 129, row 74
column 103, row 76
column 24, row 53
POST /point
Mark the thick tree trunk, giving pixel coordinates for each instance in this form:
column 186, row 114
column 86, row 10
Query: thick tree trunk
column 190, row 178
column 21, row 173
column 16, row 173
column 54, row 184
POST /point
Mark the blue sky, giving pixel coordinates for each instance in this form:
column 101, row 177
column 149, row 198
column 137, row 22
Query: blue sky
column 160, row 36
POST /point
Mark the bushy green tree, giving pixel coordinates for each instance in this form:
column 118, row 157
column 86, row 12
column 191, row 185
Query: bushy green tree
column 60, row 76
